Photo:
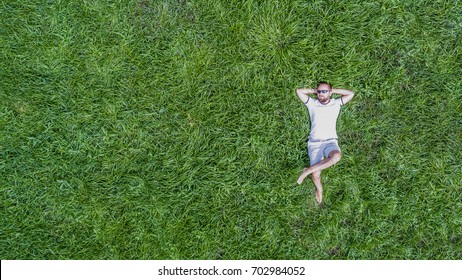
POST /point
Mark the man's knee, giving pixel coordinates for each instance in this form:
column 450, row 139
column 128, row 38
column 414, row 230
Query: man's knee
column 335, row 156
column 316, row 176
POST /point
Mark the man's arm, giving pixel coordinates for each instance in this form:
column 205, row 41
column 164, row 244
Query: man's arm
column 302, row 93
column 346, row 94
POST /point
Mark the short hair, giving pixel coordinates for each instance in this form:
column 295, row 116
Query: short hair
column 325, row 83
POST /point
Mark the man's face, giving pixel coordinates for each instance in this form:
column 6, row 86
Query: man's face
column 324, row 93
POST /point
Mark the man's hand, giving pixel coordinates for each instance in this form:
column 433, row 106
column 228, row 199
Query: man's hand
column 346, row 94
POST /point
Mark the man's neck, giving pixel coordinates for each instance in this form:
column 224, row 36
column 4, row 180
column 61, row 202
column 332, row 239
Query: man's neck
column 325, row 103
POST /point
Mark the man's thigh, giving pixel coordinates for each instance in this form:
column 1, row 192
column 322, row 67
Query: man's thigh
column 319, row 150
column 330, row 147
column 315, row 152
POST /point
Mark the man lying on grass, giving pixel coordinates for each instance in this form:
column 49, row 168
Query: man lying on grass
column 323, row 148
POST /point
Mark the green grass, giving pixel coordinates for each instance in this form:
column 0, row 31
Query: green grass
column 169, row 129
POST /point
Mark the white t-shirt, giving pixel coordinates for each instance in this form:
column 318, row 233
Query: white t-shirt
column 323, row 118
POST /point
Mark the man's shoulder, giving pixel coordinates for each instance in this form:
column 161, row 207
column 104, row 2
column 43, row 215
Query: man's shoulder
column 310, row 101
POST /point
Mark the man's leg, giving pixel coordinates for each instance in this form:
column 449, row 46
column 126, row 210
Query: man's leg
column 332, row 159
column 316, row 177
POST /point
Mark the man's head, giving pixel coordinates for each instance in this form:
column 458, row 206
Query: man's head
column 324, row 92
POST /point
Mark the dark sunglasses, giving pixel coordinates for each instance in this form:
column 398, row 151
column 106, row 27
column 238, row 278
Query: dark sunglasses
column 323, row 91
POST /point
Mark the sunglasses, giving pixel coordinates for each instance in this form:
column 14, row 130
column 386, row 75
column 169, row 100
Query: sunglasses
column 323, row 91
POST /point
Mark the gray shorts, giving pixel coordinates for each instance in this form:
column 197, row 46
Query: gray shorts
column 319, row 150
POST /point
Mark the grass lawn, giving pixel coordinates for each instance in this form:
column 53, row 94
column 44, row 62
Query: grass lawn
column 170, row 129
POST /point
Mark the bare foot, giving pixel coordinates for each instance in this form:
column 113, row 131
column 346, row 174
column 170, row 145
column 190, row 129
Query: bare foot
column 302, row 176
column 319, row 197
